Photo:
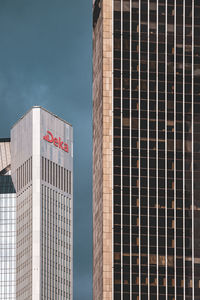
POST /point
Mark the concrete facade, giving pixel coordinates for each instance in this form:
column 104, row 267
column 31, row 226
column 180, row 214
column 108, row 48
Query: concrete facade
column 102, row 151
column 42, row 173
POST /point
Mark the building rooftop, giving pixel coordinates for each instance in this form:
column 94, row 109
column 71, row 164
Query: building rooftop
column 44, row 110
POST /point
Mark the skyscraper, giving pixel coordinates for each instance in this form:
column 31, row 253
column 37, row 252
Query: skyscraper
column 146, row 110
column 42, row 172
column 7, row 225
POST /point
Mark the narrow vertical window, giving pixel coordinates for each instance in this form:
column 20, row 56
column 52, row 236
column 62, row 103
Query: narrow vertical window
column 67, row 181
column 17, row 179
column 20, row 177
column 28, row 174
column 45, row 169
column 25, row 173
column 31, row 168
column 28, row 170
column 70, row 182
column 56, row 171
column 53, row 174
column 42, row 168
column 64, row 180
column 61, row 178
column 50, row 172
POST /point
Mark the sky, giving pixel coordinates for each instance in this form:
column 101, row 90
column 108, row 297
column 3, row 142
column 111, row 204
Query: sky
column 46, row 60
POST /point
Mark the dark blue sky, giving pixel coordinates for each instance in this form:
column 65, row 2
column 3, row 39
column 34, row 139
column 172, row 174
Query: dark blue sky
column 46, row 59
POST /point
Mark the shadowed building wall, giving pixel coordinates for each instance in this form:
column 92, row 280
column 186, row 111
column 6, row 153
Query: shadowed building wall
column 102, row 151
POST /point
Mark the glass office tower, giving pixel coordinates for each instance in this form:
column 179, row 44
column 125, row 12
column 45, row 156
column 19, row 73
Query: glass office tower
column 7, row 225
column 146, row 132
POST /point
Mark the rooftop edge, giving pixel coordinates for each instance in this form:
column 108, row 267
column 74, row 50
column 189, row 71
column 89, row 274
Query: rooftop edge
column 37, row 106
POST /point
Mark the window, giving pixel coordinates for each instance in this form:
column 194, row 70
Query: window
column 55, row 175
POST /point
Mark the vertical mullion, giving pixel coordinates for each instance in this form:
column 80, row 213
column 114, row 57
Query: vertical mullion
column 53, row 226
column 166, row 252
column 130, row 149
column 47, row 254
column 57, row 262
column 17, row 180
column 192, row 149
column 148, row 233
column 139, row 179
column 157, row 224
column 49, row 245
column 121, row 149
column 175, row 279
column 184, row 145
column 50, row 242
column 112, row 150
column 67, row 245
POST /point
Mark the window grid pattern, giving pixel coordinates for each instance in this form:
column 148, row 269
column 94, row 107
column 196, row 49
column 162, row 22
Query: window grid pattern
column 24, row 242
column 156, row 162
column 56, row 175
column 56, row 247
column 24, row 174
column 8, row 239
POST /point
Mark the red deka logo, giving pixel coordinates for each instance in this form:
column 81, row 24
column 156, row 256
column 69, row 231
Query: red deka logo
column 57, row 142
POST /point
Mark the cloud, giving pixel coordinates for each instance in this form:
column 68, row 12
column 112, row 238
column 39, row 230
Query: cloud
column 15, row 90
column 37, row 93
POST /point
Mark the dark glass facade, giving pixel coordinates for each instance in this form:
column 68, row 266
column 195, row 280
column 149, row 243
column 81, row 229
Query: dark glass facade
column 156, row 140
column 156, row 147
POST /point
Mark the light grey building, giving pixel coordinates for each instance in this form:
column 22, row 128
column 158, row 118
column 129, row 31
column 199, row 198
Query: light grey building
column 42, row 168
column 7, row 225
